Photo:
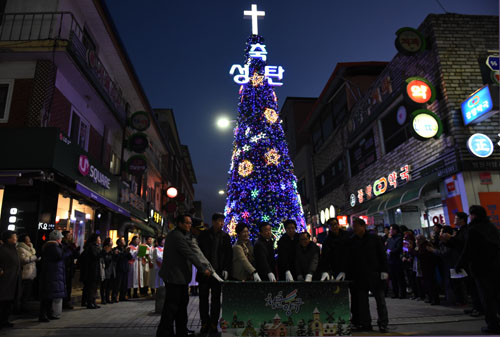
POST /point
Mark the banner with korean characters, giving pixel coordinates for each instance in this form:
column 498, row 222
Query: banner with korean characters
column 285, row 309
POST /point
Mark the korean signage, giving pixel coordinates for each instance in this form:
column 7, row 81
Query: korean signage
column 156, row 217
column 426, row 125
column 272, row 74
column 137, row 165
column 381, row 185
column 138, row 142
column 140, row 120
column 111, row 88
column 409, row 41
column 97, row 176
column 480, row 145
column 478, row 106
column 419, row 90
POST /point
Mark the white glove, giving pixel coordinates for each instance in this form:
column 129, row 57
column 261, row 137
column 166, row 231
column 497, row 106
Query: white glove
column 325, row 276
column 288, row 276
column 309, row 278
column 340, row 276
column 224, row 274
column 256, row 277
column 217, row 277
column 271, row 277
column 384, row 276
column 300, row 278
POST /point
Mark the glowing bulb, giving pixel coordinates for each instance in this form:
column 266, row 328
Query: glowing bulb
column 223, row 122
column 171, row 192
column 221, row 192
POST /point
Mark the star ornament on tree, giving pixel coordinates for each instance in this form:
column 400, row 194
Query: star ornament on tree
column 245, row 168
column 257, row 80
column 255, row 193
column 272, row 157
column 271, row 115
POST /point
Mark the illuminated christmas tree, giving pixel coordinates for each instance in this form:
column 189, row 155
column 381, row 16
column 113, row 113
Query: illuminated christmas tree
column 262, row 186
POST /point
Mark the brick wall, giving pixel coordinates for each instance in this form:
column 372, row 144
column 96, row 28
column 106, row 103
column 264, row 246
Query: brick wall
column 20, row 103
column 60, row 112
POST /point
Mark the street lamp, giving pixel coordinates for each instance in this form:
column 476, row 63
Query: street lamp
column 222, row 192
column 224, row 122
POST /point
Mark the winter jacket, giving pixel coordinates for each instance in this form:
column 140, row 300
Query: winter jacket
column 286, row 255
column 90, row 266
column 366, row 258
column 224, row 252
column 53, row 274
column 264, row 258
column 178, row 258
column 108, row 265
column 10, row 278
column 395, row 249
column 306, row 259
column 243, row 261
column 122, row 258
column 27, row 255
column 333, row 253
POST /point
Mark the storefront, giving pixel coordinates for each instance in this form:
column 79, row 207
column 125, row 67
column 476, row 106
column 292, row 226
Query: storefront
column 54, row 184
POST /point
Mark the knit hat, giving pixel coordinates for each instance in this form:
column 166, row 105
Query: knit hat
column 55, row 235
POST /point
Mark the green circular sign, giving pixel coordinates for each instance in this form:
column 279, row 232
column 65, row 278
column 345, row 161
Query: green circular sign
column 138, row 142
column 140, row 120
column 409, row 41
column 426, row 124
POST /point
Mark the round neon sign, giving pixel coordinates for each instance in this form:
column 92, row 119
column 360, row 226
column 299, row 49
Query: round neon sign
column 426, row 125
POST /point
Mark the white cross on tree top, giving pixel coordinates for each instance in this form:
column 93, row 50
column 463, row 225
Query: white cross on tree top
column 254, row 14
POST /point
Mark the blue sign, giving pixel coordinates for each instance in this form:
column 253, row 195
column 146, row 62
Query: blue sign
column 476, row 107
column 493, row 62
column 480, row 145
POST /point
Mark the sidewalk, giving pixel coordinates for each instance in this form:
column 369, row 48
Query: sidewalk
column 137, row 318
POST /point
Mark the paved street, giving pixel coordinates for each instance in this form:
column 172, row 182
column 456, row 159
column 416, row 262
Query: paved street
column 137, row 318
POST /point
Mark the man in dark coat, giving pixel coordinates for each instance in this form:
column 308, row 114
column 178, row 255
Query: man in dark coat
column 306, row 258
column 394, row 247
column 91, row 269
column 52, row 277
column 287, row 245
column 367, row 269
column 216, row 246
column 263, row 251
column 333, row 252
column 123, row 256
column 10, row 277
column 482, row 255
column 69, row 246
column 176, row 272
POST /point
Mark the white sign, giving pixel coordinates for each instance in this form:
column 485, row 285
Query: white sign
column 480, row 145
column 273, row 74
column 97, row 176
column 426, row 126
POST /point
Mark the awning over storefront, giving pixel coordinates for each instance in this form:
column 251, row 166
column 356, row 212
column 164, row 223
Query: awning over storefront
column 100, row 199
column 403, row 195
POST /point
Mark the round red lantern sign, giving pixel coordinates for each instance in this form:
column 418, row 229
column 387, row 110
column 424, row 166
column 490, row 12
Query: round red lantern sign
column 419, row 90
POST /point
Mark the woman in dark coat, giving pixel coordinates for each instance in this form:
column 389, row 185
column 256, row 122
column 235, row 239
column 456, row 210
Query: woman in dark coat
column 10, row 276
column 91, row 269
column 52, row 277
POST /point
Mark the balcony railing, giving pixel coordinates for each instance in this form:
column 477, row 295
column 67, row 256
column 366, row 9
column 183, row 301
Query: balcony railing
column 39, row 26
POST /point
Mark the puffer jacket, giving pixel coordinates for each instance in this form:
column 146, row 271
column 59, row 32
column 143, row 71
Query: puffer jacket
column 53, row 274
column 28, row 258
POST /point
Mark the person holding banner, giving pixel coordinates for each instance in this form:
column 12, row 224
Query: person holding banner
column 264, row 253
column 287, row 245
column 243, row 268
column 368, row 271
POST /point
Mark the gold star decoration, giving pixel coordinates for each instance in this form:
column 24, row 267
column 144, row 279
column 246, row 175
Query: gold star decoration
column 272, row 157
column 245, row 168
column 257, row 80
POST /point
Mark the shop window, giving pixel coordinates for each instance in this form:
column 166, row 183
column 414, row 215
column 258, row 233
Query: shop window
column 317, row 138
column 331, row 177
column 363, row 153
column 6, row 87
column 395, row 128
column 79, row 131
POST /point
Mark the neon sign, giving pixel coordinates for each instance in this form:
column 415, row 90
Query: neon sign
column 381, row 185
column 480, row 145
column 426, row 125
column 273, row 74
column 477, row 107
column 419, row 90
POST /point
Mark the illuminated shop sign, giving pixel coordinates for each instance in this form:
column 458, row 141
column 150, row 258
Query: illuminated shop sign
column 409, row 41
column 327, row 214
column 46, row 226
column 480, row 145
column 156, row 216
column 342, row 220
column 381, row 185
column 478, row 106
column 97, row 176
column 426, row 125
column 419, row 90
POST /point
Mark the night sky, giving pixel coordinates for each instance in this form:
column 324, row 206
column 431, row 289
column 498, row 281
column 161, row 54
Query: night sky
column 182, row 51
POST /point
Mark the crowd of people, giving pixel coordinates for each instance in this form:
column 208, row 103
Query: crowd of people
column 460, row 264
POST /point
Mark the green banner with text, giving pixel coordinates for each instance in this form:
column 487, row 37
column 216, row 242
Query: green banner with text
column 285, row 309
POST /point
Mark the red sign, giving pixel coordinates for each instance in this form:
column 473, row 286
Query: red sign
column 491, row 202
column 454, row 205
column 342, row 220
column 450, row 187
column 419, row 91
column 485, row 178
